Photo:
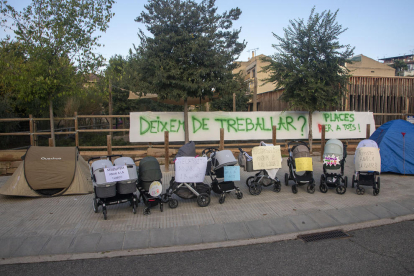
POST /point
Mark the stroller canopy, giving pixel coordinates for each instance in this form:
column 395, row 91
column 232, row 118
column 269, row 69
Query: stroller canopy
column 149, row 169
column 367, row 143
column 334, row 147
column 224, row 158
column 187, row 150
column 300, row 151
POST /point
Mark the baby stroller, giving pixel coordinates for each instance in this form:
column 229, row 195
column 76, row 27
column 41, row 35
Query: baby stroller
column 334, row 159
column 215, row 169
column 149, row 183
column 366, row 178
column 264, row 178
column 113, row 192
column 298, row 149
column 200, row 191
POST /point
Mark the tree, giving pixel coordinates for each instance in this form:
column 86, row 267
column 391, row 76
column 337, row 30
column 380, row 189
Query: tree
column 191, row 52
column 399, row 67
column 225, row 102
column 310, row 64
column 58, row 38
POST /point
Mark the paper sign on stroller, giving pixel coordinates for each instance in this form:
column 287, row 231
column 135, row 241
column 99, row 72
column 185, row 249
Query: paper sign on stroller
column 190, row 169
column 231, row 173
column 266, row 158
column 304, row 164
column 367, row 159
column 116, row 173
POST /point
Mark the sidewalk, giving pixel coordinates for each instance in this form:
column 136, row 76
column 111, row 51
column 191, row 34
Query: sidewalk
column 67, row 226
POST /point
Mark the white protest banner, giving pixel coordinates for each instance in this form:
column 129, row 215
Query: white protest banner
column 205, row 126
column 268, row 157
column 190, row 169
column 231, row 173
column 116, row 173
column 367, row 159
column 342, row 124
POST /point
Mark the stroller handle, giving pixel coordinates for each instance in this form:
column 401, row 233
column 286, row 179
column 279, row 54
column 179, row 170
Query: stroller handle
column 107, row 156
column 296, row 142
column 208, row 150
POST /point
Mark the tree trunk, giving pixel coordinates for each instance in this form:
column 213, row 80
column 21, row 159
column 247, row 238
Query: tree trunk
column 310, row 131
column 186, row 132
column 52, row 123
column 110, row 107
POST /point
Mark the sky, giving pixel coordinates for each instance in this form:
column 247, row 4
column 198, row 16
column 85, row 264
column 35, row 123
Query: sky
column 377, row 29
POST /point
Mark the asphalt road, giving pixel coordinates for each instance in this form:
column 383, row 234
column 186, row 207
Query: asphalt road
column 385, row 250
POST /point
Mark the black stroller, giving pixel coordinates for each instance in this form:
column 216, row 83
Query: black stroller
column 201, row 191
column 334, row 159
column 299, row 149
column 149, row 183
column 362, row 176
column 261, row 178
column 215, row 169
column 109, row 192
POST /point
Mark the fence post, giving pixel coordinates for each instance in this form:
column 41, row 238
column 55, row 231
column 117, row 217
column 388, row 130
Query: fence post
column 109, row 144
column 31, row 130
column 167, row 151
column 322, row 142
column 51, row 142
column 234, row 102
column 221, row 146
column 368, row 131
column 76, row 130
column 274, row 135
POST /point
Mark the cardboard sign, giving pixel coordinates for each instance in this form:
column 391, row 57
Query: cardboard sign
column 266, row 158
column 116, row 173
column 155, row 188
column 304, row 164
column 331, row 160
column 231, row 173
column 190, row 169
column 367, row 159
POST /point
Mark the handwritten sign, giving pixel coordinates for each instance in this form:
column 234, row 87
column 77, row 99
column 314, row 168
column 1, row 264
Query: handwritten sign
column 231, row 173
column 155, row 188
column 367, row 159
column 331, row 160
column 304, row 164
column 116, row 173
column 190, row 169
column 266, row 158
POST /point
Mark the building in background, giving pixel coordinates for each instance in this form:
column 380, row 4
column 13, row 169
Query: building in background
column 407, row 59
column 365, row 66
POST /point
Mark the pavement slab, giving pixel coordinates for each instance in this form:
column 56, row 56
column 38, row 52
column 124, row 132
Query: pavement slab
column 85, row 243
column 162, row 237
column 187, row 235
column 111, row 242
column 58, row 245
column 237, row 231
column 259, row 228
column 304, row 222
column 31, row 246
column 136, row 239
column 213, row 233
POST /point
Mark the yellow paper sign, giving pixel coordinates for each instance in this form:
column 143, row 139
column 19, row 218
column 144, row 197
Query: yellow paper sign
column 304, row 164
column 268, row 157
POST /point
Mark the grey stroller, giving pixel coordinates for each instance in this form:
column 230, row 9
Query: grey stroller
column 334, row 159
column 201, row 191
column 113, row 192
column 215, row 169
column 264, row 178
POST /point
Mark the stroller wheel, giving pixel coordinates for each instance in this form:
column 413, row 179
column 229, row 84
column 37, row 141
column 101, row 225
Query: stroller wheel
column 286, row 179
column 340, row 189
column 249, row 181
column 164, row 198
column 95, row 205
column 222, row 199
column 239, row 195
column 277, row 187
column 294, row 189
column 362, row 191
column 147, row 211
column 353, row 181
column 323, row 188
column 375, row 192
column 203, row 200
column 311, row 188
column 173, row 203
column 104, row 213
column 346, row 181
column 255, row 188
column 134, row 209
column 162, row 207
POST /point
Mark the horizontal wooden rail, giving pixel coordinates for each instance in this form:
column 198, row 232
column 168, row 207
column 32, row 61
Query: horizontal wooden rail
column 103, row 130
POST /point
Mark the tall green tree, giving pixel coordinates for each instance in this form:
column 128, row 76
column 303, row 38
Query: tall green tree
column 310, row 63
column 237, row 87
column 59, row 41
column 191, row 50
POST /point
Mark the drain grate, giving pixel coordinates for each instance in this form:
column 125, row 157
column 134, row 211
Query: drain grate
column 323, row 236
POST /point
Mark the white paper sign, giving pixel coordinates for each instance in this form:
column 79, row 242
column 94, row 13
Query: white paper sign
column 116, row 173
column 190, row 169
column 367, row 159
column 266, row 158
